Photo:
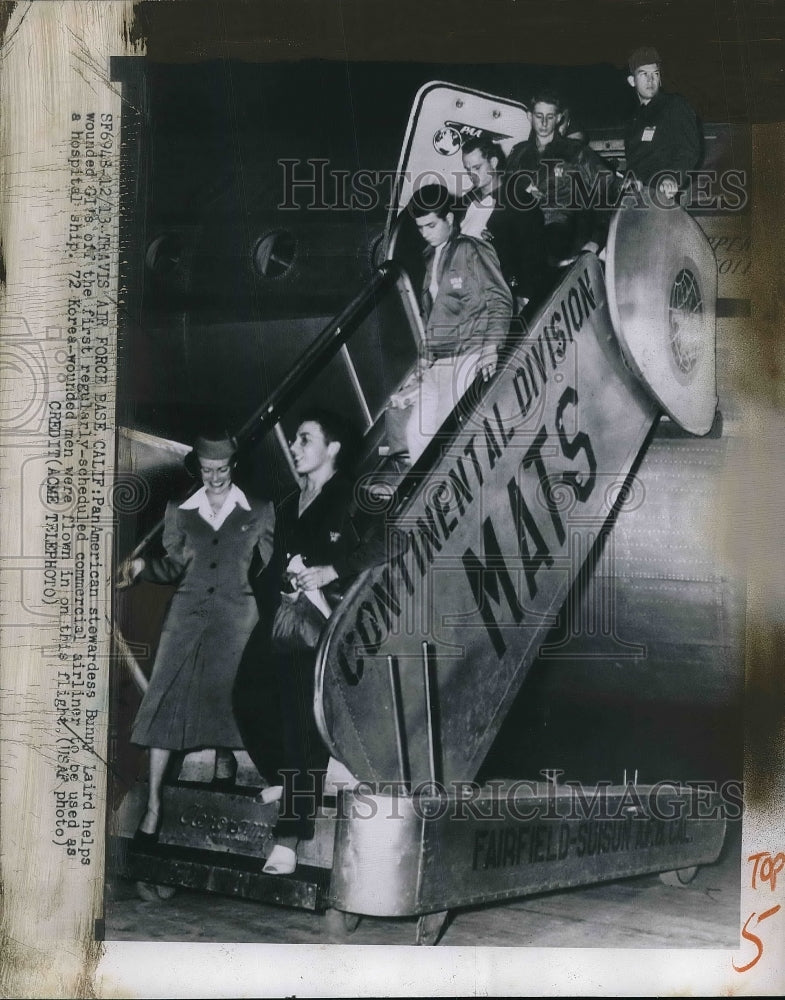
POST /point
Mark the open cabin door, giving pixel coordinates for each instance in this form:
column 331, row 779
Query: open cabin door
column 442, row 117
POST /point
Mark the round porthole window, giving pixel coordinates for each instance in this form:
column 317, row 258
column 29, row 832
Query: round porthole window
column 164, row 255
column 274, row 254
column 168, row 261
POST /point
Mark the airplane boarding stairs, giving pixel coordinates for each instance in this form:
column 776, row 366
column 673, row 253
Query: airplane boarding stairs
column 489, row 532
column 487, row 535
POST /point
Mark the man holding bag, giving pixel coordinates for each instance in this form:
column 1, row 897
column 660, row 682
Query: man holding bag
column 317, row 552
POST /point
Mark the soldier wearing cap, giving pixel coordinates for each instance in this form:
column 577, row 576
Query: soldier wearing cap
column 663, row 137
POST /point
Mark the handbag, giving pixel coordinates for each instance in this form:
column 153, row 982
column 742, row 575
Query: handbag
column 297, row 624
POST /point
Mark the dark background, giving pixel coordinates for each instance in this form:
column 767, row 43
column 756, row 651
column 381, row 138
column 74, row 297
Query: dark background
column 726, row 56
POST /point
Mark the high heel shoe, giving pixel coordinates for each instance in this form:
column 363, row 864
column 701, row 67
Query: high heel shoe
column 143, row 839
column 224, row 782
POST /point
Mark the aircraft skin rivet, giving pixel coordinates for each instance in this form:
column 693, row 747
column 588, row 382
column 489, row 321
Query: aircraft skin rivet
column 497, row 113
column 459, row 103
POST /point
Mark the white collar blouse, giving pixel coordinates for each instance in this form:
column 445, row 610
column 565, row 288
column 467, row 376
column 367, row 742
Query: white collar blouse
column 200, row 502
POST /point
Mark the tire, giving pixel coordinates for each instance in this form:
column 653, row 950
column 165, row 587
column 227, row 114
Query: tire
column 151, row 892
column 342, row 923
column 430, row 927
column 680, row 877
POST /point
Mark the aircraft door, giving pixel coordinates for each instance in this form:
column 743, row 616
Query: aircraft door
column 442, row 117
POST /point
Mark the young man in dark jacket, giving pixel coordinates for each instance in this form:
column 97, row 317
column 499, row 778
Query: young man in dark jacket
column 575, row 187
column 516, row 230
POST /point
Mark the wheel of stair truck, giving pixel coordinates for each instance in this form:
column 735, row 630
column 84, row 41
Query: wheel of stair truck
column 661, row 277
column 680, row 877
column 430, row 927
column 152, row 892
column 342, row 923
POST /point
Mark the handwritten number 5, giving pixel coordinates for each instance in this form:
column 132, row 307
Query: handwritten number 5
column 754, row 938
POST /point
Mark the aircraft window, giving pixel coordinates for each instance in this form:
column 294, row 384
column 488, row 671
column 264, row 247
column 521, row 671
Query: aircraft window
column 163, row 255
column 274, row 254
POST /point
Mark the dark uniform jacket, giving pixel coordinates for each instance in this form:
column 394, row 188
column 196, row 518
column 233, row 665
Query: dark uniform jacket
column 516, row 231
column 664, row 134
column 566, row 172
column 327, row 533
column 189, row 699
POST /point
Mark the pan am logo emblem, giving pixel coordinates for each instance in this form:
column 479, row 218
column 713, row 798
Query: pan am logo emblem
column 446, row 141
